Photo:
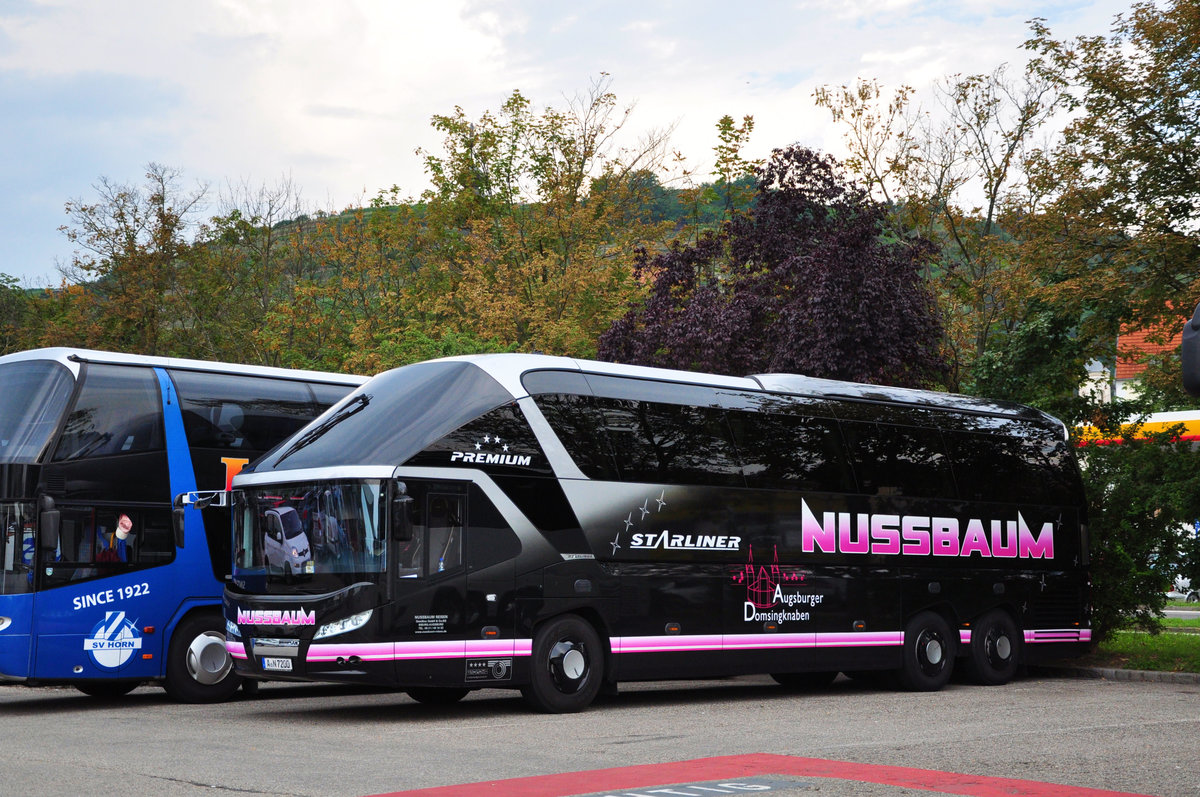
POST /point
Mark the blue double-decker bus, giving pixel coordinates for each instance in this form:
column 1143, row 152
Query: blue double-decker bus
column 102, row 585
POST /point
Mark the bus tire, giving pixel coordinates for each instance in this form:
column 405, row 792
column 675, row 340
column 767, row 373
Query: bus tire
column 804, row 681
column 436, row 695
column 199, row 668
column 567, row 666
column 107, row 690
column 995, row 652
column 928, row 653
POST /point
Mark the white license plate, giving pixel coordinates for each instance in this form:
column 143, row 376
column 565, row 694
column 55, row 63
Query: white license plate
column 276, row 663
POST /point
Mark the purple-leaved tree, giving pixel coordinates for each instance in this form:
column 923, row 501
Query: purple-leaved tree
column 811, row 280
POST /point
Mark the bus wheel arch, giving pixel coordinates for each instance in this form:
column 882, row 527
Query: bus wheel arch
column 199, row 668
column 929, row 651
column 567, row 667
column 996, row 649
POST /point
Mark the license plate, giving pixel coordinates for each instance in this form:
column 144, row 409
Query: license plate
column 276, row 663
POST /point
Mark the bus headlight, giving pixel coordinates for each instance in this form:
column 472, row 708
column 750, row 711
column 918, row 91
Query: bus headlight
column 231, row 631
column 5, row 622
column 342, row 626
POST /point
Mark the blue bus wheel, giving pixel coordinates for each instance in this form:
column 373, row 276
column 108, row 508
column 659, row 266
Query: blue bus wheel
column 199, row 669
column 928, row 653
column 995, row 652
column 567, row 667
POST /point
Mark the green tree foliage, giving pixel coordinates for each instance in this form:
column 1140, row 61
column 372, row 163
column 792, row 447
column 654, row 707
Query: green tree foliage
column 14, row 312
column 530, row 219
column 131, row 242
column 1124, row 225
column 1143, row 494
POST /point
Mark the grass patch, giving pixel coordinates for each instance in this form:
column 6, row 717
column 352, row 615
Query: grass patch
column 1137, row 650
column 1183, row 605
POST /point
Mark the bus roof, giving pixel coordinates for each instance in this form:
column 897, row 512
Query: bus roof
column 72, row 357
column 507, row 369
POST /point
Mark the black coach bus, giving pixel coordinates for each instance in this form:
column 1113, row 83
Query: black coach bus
column 558, row 526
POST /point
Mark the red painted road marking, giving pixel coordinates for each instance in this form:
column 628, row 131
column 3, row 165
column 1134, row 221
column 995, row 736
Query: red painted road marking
column 757, row 764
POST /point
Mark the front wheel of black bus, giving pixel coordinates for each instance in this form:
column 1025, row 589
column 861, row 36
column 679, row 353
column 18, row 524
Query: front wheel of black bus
column 995, row 652
column 928, row 653
column 199, row 669
column 567, row 668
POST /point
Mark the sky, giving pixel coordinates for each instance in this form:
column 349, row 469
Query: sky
column 335, row 98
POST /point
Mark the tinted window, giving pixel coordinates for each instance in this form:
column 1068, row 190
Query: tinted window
column 497, row 442
column 241, row 412
column 898, row 460
column 672, row 443
column 118, row 411
column 1025, row 465
column 393, row 417
column 34, row 397
column 791, row 452
column 102, row 541
column 577, row 424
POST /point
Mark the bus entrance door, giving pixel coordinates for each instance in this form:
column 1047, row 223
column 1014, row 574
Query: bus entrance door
column 430, row 589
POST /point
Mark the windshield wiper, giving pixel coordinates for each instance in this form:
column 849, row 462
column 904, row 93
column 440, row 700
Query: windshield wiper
column 353, row 407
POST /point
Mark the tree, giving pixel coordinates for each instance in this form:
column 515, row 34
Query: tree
column 132, row 240
column 1124, row 227
column 14, row 310
column 529, row 217
column 958, row 176
column 1143, row 496
column 809, row 280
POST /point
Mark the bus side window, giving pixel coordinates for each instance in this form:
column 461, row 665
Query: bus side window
column 898, row 460
column 118, row 411
column 578, row 425
column 791, row 452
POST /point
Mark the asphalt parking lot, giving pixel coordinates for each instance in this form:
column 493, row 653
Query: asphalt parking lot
column 1123, row 736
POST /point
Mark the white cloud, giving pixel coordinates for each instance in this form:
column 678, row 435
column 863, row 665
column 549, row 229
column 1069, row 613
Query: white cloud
column 339, row 95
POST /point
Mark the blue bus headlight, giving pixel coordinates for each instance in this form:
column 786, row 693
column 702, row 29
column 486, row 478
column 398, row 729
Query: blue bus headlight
column 5, row 622
column 342, row 626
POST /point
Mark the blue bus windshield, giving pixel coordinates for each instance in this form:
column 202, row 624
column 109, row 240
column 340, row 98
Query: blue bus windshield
column 31, row 405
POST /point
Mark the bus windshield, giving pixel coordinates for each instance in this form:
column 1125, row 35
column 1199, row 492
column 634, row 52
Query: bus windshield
column 31, row 404
column 300, row 531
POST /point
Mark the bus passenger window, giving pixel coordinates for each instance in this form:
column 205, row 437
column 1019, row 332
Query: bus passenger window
column 578, row 425
column 899, row 460
column 791, row 452
column 118, row 412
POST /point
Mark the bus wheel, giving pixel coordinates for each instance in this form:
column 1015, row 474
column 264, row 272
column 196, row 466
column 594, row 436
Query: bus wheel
column 995, row 652
column 435, row 695
column 802, row 681
column 107, row 689
column 567, row 666
column 928, row 653
column 199, row 669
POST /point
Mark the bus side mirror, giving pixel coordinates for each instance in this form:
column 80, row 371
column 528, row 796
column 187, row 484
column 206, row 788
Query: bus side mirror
column 402, row 529
column 1189, row 354
column 49, row 521
column 178, row 513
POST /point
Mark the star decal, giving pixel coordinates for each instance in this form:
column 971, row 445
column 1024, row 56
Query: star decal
column 644, row 509
column 661, row 502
